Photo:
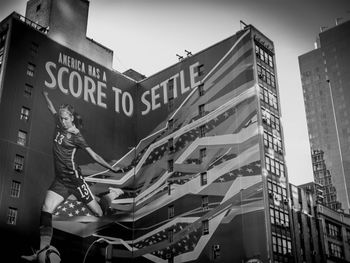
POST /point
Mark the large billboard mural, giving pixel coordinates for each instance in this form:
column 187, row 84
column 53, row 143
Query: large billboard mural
column 188, row 140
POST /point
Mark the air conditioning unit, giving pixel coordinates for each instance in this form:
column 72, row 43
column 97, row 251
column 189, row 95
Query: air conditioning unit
column 18, row 167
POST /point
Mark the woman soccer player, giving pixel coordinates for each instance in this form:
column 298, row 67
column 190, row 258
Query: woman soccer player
column 68, row 178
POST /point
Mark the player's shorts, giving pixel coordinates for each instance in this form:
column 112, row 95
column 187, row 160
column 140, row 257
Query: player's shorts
column 79, row 189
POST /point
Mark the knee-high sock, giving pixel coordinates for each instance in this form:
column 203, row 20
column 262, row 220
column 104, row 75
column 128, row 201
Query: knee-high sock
column 46, row 229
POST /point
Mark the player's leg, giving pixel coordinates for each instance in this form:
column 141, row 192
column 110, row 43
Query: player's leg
column 52, row 200
column 83, row 193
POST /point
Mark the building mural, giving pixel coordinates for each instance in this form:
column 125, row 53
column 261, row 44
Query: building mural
column 197, row 142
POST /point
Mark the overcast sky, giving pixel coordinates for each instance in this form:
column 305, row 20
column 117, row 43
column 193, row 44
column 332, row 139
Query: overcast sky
column 146, row 35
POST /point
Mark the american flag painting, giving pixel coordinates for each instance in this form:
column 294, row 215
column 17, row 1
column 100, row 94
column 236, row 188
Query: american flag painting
column 188, row 185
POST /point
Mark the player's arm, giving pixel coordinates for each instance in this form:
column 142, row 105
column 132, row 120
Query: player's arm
column 49, row 103
column 102, row 162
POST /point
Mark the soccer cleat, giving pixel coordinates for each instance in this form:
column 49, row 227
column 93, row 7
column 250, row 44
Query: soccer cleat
column 30, row 258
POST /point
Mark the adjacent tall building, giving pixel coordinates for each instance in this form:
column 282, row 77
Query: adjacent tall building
column 201, row 142
column 325, row 79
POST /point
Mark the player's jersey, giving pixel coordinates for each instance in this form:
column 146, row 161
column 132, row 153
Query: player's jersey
column 65, row 145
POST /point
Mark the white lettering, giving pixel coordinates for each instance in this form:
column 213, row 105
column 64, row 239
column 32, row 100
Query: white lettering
column 193, row 75
column 146, row 102
column 101, row 94
column 48, row 66
column 78, row 92
column 117, row 92
column 89, row 89
column 60, row 77
column 126, row 96
column 154, row 97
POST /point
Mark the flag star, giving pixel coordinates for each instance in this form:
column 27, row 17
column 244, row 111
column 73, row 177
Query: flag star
column 226, row 114
column 70, row 214
column 76, row 212
column 64, row 209
column 231, row 174
column 221, row 179
column 83, row 209
column 249, row 170
column 71, row 205
column 88, row 214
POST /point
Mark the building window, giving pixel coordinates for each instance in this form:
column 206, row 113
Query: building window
column 170, row 165
column 12, row 216
column 274, row 166
column 205, row 202
column 169, row 188
column 15, row 189
column 171, row 88
column 201, row 110
column 273, row 142
column 22, row 138
column 30, row 69
column 268, row 97
column 270, row 119
column 201, row 89
column 205, row 227
column 34, row 49
column 200, row 70
column 202, row 131
column 333, row 230
column 38, row 7
column 281, row 244
column 171, row 145
column 171, row 104
column 28, row 90
column 170, row 235
column 204, row 178
column 202, row 154
column 24, row 114
column 170, row 124
column 171, row 211
column 19, row 163
column 335, row 250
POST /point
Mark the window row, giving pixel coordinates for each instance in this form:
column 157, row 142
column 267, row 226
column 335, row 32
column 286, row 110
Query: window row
column 276, row 188
column 274, row 166
column 270, row 119
column 278, row 217
column 268, row 97
column 281, row 244
column 272, row 142
column 263, row 55
column 333, row 230
column 266, row 76
column 335, row 250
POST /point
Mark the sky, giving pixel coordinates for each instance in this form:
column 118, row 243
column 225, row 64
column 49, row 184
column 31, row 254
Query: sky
column 146, row 35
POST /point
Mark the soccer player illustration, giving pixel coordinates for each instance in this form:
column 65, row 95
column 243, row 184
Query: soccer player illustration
column 68, row 179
